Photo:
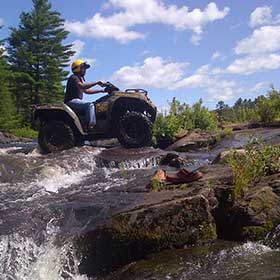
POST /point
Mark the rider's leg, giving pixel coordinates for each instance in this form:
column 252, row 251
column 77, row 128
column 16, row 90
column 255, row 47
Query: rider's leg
column 80, row 105
column 87, row 107
column 91, row 114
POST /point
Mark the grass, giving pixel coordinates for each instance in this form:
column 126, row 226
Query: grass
column 25, row 132
column 248, row 168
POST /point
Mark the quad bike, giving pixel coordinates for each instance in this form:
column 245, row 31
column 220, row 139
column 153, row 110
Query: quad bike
column 127, row 115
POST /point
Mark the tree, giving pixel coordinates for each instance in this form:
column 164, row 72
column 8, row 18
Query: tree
column 38, row 57
column 8, row 116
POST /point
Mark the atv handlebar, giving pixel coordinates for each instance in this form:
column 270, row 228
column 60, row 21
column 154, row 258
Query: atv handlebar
column 110, row 88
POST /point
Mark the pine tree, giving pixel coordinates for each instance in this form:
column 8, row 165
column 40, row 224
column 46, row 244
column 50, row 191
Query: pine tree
column 38, row 57
column 8, row 116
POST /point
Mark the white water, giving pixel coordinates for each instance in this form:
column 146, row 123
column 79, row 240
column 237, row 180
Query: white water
column 25, row 258
column 22, row 259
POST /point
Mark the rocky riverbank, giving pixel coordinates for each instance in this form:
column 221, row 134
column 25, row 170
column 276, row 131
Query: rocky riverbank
column 99, row 200
column 185, row 215
column 8, row 138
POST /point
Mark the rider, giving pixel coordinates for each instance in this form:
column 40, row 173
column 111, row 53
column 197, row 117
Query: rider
column 75, row 88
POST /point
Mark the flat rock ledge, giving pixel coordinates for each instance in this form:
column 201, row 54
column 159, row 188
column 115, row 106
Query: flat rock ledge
column 137, row 221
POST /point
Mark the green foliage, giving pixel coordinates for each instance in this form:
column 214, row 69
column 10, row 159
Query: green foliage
column 8, row 115
column 202, row 118
column 166, row 127
column 26, row 132
column 38, row 57
column 249, row 167
column 183, row 117
column 268, row 107
column 263, row 108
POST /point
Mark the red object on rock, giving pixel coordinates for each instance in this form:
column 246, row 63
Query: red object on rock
column 183, row 176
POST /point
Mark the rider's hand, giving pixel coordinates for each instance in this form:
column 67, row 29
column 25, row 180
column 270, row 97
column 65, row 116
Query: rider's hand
column 101, row 83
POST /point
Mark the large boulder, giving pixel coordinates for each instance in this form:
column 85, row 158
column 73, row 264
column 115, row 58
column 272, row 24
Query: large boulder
column 193, row 140
column 131, row 235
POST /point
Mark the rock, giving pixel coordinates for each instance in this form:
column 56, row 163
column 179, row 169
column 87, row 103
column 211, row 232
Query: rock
column 119, row 157
column 193, row 140
column 224, row 156
column 131, row 235
column 251, row 217
column 174, row 160
column 8, row 138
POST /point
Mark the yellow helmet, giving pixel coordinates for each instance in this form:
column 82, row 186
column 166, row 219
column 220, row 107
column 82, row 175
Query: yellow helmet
column 76, row 65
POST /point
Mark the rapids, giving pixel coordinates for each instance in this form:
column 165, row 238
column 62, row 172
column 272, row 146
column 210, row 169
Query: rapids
column 37, row 232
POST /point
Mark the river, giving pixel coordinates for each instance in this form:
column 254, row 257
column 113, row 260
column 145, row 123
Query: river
column 36, row 234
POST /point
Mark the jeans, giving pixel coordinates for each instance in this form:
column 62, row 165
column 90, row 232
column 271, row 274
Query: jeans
column 88, row 107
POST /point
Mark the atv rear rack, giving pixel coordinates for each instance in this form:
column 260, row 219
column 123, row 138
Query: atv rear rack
column 137, row 90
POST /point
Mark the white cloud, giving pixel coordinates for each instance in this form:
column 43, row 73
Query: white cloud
column 1, row 22
column 261, row 16
column 138, row 12
column 218, row 56
column 263, row 40
column 216, row 87
column 78, row 47
column 259, row 86
column 253, row 64
column 154, row 72
column 260, row 48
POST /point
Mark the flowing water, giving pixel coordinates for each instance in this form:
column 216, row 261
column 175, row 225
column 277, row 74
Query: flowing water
column 38, row 193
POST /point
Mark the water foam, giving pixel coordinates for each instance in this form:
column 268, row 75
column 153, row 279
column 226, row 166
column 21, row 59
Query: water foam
column 55, row 177
column 66, row 172
column 22, row 259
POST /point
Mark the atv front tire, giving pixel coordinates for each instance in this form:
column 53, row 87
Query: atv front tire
column 55, row 136
column 135, row 130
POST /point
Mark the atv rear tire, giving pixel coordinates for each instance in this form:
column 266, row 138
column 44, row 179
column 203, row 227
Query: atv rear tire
column 135, row 130
column 56, row 136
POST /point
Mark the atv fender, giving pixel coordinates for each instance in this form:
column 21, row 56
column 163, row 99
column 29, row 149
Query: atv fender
column 56, row 112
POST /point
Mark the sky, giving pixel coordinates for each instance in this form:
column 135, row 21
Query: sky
column 219, row 50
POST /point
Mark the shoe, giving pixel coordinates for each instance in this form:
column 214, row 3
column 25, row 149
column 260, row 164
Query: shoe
column 183, row 176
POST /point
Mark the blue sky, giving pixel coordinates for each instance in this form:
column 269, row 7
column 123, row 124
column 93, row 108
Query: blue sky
column 219, row 50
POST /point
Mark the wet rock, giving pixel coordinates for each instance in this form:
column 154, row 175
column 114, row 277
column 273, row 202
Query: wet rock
column 120, row 157
column 174, row 160
column 193, row 140
column 224, row 156
column 251, row 217
column 7, row 138
column 132, row 235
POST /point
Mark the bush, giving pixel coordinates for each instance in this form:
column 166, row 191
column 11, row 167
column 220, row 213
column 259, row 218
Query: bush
column 26, row 132
column 183, row 117
column 249, row 167
column 266, row 110
column 165, row 129
column 202, row 118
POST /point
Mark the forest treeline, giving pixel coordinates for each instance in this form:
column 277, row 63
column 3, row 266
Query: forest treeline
column 181, row 116
column 32, row 71
column 32, row 65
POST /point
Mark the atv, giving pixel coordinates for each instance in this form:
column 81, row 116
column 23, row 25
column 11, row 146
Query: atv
column 126, row 115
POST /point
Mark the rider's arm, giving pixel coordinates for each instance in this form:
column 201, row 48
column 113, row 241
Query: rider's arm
column 92, row 91
column 85, row 86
